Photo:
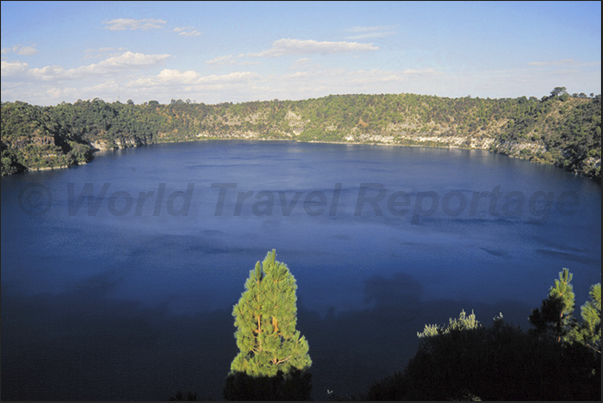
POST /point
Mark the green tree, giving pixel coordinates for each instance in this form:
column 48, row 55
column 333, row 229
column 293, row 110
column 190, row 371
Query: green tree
column 555, row 314
column 589, row 331
column 272, row 350
column 557, row 91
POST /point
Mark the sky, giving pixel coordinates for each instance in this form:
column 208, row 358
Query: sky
column 215, row 52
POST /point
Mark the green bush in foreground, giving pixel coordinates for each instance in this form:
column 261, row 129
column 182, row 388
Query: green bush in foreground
column 559, row 360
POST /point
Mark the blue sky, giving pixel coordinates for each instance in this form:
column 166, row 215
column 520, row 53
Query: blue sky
column 215, row 52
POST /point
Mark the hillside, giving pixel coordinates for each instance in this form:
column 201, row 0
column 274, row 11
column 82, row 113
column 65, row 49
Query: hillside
column 558, row 129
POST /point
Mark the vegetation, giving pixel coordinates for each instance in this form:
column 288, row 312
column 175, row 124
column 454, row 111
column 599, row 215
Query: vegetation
column 560, row 359
column 558, row 129
column 273, row 360
column 555, row 317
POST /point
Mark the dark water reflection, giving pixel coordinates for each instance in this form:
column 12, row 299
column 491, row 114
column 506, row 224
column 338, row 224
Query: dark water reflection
column 131, row 307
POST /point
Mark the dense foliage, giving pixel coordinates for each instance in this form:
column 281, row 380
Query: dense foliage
column 273, row 357
column 556, row 315
column 560, row 359
column 558, row 129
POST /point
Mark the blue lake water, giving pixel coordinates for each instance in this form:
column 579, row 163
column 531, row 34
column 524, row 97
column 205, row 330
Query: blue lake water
column 119, row 277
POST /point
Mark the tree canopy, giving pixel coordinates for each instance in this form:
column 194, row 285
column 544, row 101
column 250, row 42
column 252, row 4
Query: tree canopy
column 273, row 358
column 266, row 319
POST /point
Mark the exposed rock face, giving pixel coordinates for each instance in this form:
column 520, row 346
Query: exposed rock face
column 104, row 145
column 126, row 143
column 101, row 145
column 513, row 148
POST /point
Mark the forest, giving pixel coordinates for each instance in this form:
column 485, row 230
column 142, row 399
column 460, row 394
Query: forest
column 559, row 129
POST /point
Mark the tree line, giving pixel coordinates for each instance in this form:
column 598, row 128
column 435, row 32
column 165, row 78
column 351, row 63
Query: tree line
column 559, row 129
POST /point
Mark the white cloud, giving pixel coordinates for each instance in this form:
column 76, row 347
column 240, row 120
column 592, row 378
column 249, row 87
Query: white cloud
column 123, row 62
column 283, row 47
column 27, row 50
column 62, row 92
column 222, row 60
column 187, row 31
column 53, row 73
column 174, row 84
column 175, row 76
column 380, row 31
column 13, row 69
column 190, row 33
column 130, row 59
column 191, row 78
column 120, row 24
column 21, row 50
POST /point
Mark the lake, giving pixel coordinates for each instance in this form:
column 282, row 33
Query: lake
column 119, row 277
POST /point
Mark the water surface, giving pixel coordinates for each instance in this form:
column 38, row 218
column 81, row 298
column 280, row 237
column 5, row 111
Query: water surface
column 127, row 294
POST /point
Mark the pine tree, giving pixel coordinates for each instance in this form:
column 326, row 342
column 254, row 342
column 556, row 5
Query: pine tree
column 556, row 313
column 269, row 344
column 589, row 331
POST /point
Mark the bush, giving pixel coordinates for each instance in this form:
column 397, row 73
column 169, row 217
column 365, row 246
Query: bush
column 501, row 362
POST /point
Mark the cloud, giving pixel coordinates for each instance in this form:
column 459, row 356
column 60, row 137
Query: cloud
column 284, row 47
column 313, row 82
column 130, row 59
column 121, row 24
column 187, row 31
column 191, row 78
column 21, row 50
column 380, row 31
column 174, row 84
column 123, row 62
column 222, row 60
column 13, row 69
column 62, row 92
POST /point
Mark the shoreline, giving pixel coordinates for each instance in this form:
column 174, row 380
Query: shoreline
column 97, row 151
